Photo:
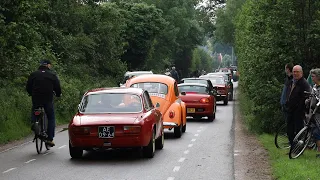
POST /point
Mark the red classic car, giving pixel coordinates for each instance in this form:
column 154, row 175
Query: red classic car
column 116, row 118
column 221, row 85
column 199, row 100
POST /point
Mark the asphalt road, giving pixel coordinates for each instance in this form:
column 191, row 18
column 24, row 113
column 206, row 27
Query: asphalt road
column 204, row 152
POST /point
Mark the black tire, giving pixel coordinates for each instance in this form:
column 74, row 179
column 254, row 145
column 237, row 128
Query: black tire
column 281, row 138
column 212, row 118
column 300, row 142
column 184, row 128
column 225, row 101
column 231, row 97
column 75, row 152
column 45, row 127
column 178, row 131
column 148, row 151
column 160, row 141
column 39, row 144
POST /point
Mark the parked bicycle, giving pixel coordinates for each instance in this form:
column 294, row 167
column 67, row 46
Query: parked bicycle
column 40, row 129
column 281, row 139
column 304, row 137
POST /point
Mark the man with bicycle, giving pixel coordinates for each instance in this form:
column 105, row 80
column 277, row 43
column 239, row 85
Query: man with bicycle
column 41, row 86
column 311, row 104
column 295, row 102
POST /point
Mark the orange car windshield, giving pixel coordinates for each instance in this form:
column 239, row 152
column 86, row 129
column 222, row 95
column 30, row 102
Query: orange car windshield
column 111, row 103
column 152, row 87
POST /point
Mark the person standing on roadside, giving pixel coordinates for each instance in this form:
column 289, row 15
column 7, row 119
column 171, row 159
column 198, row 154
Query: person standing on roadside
column 295, row 102
column 167, row 72
column 288, row 70
column 311, row 104
column 174, row 74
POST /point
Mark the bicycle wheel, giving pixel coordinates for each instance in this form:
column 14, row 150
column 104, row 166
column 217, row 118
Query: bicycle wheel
column 45, row 130
column 39, row 144
column 281, row 138
column 300, row 142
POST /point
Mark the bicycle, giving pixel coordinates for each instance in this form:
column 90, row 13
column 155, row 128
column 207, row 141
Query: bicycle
column 281, row 139
column 302, row 139
column 40, row 129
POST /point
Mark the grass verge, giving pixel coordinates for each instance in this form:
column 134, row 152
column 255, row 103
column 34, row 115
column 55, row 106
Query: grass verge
column 283, row 168
column 15, row 105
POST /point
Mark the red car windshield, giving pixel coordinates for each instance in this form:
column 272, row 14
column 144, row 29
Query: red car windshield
column 111, row 103
column 217, row 81
column 193, row 89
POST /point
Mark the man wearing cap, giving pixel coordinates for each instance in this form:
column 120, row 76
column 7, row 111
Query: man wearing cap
column 41, row 86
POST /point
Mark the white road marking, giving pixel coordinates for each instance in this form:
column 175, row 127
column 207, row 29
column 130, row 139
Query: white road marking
column 235, row 154
column 29, row 161
column 182, row 159
column 193, row 140
column 170, row 178
column 190, row 145
column 11, row 169
column 47, row 153
column 200, row 127
column 236, row 151
column 198, row 130
column 186, row 152
column 62, row 146
column 196, row 135
column 176, row 168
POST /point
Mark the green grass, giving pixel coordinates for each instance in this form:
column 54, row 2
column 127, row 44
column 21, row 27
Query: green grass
column 306, row 167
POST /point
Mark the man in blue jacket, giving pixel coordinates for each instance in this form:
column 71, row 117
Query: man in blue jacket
column 288, row 70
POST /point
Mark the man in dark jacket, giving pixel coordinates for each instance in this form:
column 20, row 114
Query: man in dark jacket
column 174, row 74
column 295, row 102
column 41, row 86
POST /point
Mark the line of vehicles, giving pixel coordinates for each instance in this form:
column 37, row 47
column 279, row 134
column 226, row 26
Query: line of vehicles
column 136, row 114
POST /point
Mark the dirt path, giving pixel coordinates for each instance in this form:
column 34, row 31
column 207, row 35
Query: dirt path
column 250, row 158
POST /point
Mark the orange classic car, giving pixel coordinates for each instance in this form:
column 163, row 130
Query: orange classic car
column 164, row 94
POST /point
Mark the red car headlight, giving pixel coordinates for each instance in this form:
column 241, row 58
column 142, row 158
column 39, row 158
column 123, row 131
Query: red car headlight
column 204, row 100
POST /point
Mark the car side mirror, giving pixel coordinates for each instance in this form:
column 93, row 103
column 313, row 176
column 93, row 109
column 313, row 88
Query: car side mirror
column 157, row 105
column 79, row 107
column 183, row 93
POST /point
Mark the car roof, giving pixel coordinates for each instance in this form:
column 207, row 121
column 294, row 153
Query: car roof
column 137, row 91
column 218, row 73
column 192, row 84
column 212, row 76
column 153, row 78
column 137, row 72
column 194, row 79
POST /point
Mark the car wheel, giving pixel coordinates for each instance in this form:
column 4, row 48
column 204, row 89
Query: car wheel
column 184, row 128
column 160, row 141
column 148, row 151
column 231, row 97
column 178, row 131
column 211, row 118
column 225, row 101
column 75, row 152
